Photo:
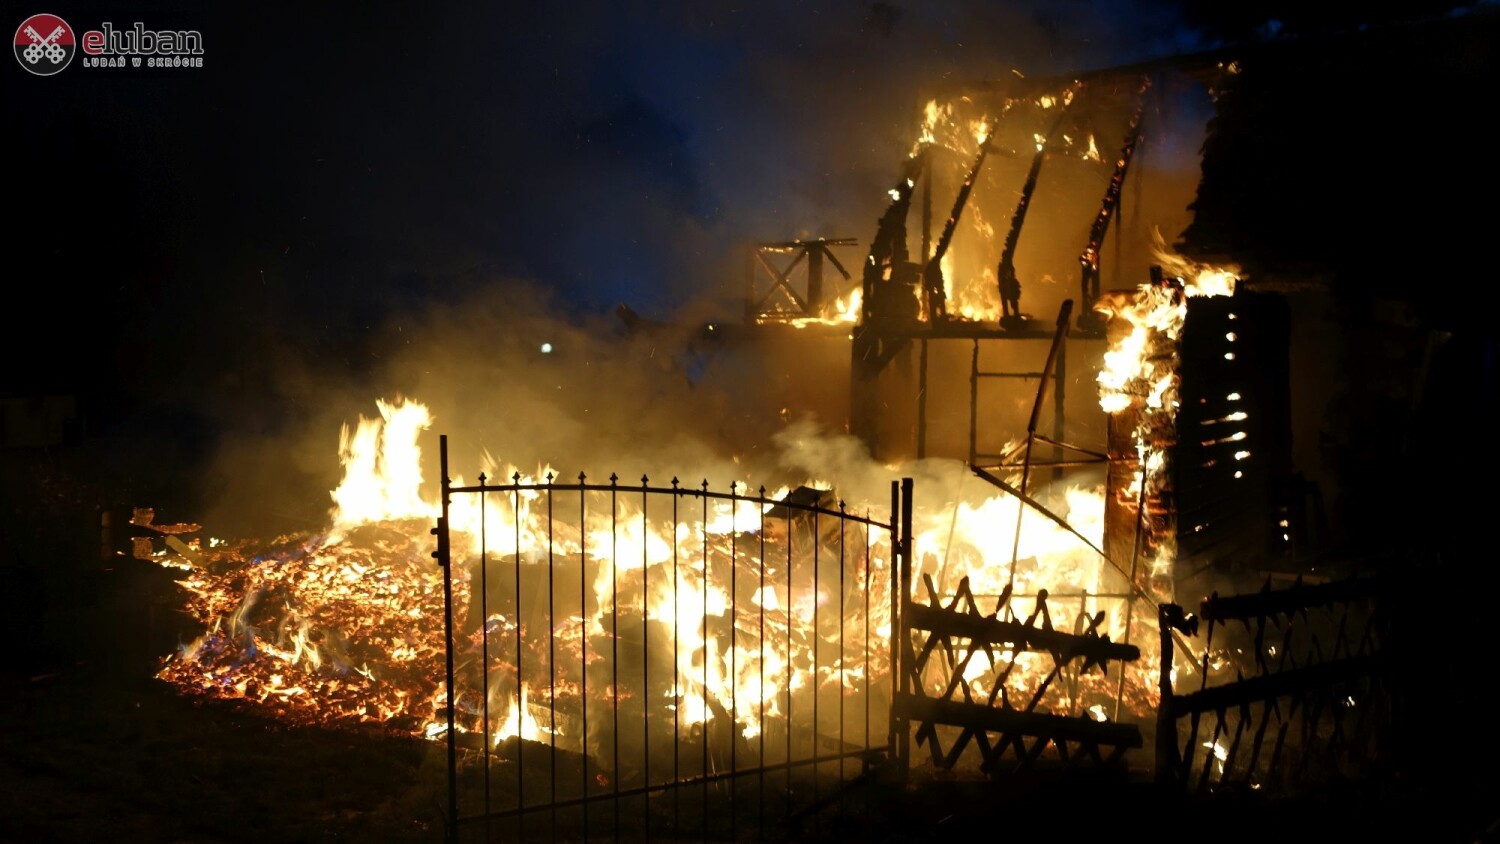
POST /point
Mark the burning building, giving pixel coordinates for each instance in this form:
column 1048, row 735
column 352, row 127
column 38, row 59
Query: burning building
column 1041, row 439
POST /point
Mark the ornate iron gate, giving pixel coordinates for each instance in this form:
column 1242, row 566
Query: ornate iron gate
column 959, row 667
column 1298, row 698
column 638, row 660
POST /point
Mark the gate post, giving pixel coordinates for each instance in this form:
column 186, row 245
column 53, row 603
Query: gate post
column 902, row 582
column 1169, row 769
column 444, row 561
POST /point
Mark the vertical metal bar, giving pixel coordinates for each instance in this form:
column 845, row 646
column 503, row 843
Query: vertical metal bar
column 734, row 677
column 444, row 561
column 646, row 656
column 761, row 601
column 843, row 523
column 484, row 647
column 896, row 629
column 703, row 527
column 520, row 677
column 789, row 618
column 552, row 657
column 817, row 588
column 676, row 675
column 922, row 401
column 866, row 662
column 583, row 646
column 614, row 638
column 973, row 409
column 905, row 567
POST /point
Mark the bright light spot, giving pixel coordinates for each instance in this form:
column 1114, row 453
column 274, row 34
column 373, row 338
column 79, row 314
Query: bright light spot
column 1231, row 337
column 546, row 348
column 1233, row 316
column 1229, row 355
column 1241, row 455
column 1239, row 474
column 1233, row 397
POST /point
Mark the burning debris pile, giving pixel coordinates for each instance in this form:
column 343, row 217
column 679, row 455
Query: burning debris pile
column 319, row 632
column 343, row 627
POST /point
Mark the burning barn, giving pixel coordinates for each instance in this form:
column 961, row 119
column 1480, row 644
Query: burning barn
column 1073, row 473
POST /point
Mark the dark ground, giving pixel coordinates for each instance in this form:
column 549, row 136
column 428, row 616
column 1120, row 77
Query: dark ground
column 95, row 749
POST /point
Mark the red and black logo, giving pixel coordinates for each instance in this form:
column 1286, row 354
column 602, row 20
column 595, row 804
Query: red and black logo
column 44, row 44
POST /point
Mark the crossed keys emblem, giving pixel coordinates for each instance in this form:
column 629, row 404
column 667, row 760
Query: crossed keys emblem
column 40, row 46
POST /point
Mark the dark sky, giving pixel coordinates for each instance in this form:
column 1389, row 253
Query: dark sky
column 328, row 169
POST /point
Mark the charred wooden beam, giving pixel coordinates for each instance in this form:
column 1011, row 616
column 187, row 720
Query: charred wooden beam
column 1296, row 598
column 1010, row 284
column 1057, row 728
column 888, row 253
column 932, row 274
column 1268, row 687
column 1089, row 259
column 1017, row 635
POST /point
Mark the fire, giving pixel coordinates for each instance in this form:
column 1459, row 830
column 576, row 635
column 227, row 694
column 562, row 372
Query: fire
column 843, row 310
column 1140, row 376
column 521, row 721
column 383, row 467
column 958, row 131
column 344, row 627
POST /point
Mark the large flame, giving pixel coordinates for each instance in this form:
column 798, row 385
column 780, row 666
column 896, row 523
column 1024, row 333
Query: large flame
column 1139, row 379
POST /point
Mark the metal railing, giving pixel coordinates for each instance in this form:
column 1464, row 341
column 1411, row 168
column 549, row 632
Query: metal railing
column 658, row 661
column 1293, row 690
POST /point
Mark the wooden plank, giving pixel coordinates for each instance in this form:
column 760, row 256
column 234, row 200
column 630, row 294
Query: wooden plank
column 1271, row 686
column 1017, row 636
column 1287, row 601
column 1057, row 728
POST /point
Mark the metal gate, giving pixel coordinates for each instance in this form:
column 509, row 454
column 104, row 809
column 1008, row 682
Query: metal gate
column 634, row 661
column 1295, row 687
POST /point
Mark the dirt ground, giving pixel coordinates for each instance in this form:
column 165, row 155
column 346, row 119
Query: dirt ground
column 93, row 749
